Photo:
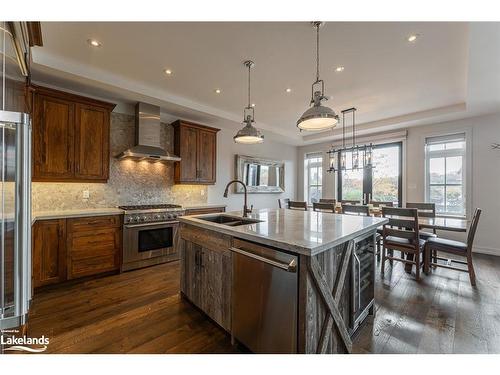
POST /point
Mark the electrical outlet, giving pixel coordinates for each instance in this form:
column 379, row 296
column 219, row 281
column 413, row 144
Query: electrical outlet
column 86, row 194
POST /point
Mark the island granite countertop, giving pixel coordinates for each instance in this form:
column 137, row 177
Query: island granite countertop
column 302, row 232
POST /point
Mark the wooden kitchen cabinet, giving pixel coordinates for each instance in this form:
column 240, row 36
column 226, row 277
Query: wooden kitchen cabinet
column 65, row 249
column 206, row 273
column 197, row 147
column 93, row 245
column 49, row 252
column 70, row 137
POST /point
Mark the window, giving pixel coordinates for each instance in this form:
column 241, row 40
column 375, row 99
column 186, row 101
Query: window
column 381, row 183
column 314, row 173
column 445, row 173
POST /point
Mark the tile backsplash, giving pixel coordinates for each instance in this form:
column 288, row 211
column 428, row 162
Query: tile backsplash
column 130, row 182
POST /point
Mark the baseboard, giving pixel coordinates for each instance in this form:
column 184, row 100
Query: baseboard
column 486, row 250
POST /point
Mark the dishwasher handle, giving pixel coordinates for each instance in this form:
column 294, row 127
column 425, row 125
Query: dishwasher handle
column 289, row 267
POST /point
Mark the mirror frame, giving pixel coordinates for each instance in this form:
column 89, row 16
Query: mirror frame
column 241, row 160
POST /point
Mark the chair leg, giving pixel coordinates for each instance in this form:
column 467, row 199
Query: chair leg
column 427, row 259
column 378, row 250
column 472, row 274
column 382, row 263
column 417, row 272
column 434, row 257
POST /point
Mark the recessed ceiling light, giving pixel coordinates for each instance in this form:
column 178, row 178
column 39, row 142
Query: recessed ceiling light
column 288, row 90
column 339, row 69
column 168, row 72
column 217, row 91
column 94, row 42
column 412, row 38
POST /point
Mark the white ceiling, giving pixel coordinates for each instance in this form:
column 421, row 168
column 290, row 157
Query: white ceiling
column 389, row 80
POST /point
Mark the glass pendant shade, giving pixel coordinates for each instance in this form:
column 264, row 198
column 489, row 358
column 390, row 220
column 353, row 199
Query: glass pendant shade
column 333, row 161
column 342, row 160
column 355, row 159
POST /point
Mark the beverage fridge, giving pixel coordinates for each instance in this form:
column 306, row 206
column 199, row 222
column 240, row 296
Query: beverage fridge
column 15, row 178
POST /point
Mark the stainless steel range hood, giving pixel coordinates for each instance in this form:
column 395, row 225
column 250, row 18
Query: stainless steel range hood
column 147, row 136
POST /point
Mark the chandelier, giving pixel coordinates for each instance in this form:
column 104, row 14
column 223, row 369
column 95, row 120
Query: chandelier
column 361, row 154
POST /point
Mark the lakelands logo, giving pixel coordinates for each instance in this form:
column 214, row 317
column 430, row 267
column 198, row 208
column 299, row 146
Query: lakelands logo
column 23, row 343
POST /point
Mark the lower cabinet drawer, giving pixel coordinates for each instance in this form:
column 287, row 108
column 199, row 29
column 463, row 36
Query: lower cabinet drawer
column 91, row 266
column 93, row 223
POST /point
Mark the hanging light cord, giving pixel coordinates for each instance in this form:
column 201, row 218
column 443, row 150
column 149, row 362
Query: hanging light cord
column 249, row 85
column 317, row 51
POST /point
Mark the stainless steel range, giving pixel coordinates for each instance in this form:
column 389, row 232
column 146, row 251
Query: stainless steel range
column 149, row 234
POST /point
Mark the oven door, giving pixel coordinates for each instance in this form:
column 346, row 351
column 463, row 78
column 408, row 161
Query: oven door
column 149, row 240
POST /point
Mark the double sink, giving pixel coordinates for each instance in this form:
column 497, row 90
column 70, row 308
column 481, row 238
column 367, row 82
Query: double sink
column 231, row 221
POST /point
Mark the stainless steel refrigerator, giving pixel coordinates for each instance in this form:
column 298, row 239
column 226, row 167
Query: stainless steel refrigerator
column 15, row 178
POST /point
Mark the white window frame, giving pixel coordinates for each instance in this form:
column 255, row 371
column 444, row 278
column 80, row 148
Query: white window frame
column 308, row 166
column 441, row 139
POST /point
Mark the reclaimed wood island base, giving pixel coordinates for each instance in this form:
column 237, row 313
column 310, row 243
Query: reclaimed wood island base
column 324, row 245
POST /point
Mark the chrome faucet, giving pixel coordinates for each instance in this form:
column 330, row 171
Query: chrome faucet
column 246, row 210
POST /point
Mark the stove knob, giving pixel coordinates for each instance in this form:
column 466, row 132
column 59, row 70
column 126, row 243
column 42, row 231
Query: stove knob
column 157, row 217
column 169, row 216
column 144, row 218
column 174, row 216
column 163, row 216
column 136, row 219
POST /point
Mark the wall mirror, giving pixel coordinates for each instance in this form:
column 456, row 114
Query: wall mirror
column 260, row 175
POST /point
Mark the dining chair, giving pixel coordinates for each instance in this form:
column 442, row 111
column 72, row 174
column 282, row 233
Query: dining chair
column 324, row 207
column 401, row 233
column 456, row 248
column 328, row 200
column 295, row 205
column 283, row 203
column 347, row 201
column 381, row 203
column 352, row 209
column 425, row 210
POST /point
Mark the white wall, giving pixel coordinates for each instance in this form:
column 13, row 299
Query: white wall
column 484, row 172
column 226, row 151
column 484, row 189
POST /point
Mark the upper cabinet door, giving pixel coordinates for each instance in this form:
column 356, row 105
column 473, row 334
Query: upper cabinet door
column 70, row 137
column 207, row 141
column 53, row 132
column 197, row 147
column 188, row 154
column 91, row 143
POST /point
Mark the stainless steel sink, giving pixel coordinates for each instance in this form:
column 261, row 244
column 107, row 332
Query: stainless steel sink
column 228, row 220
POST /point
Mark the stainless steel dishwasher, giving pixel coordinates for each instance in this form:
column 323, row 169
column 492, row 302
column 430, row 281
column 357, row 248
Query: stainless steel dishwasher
column 265, row 288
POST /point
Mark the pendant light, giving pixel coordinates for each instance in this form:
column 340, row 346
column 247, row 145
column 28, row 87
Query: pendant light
column 318, row 117
column 249, row 134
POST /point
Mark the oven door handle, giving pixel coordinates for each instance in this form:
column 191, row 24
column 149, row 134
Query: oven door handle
column 129, row 226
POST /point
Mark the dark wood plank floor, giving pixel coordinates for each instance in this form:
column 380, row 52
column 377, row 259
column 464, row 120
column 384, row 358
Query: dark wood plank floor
column 142, row 312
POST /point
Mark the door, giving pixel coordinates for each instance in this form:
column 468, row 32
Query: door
column 91, row 143
column 216, row 285
column 49, row 252
column 381, row 183
column 191, row 262
column 53, row 138
column 188, row 154
column 206, row 156
column 15, row 183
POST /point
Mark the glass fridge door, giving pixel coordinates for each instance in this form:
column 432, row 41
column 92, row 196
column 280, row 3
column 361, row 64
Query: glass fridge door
column 15, row 218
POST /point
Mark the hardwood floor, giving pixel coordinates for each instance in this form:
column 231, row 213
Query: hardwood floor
column 142, row 312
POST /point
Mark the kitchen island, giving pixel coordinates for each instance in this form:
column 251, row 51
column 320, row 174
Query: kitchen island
column 281, row 281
